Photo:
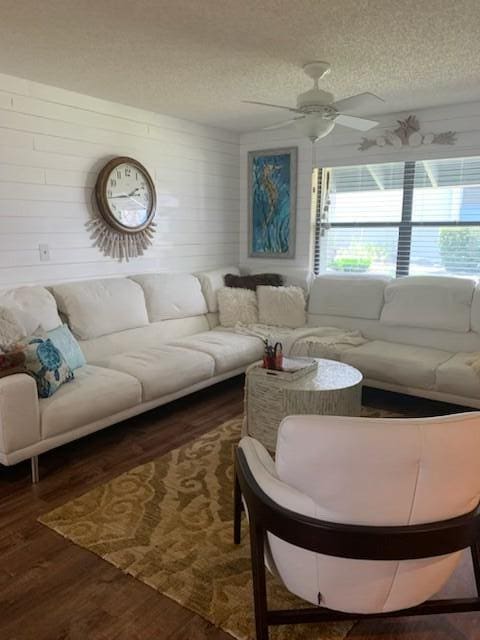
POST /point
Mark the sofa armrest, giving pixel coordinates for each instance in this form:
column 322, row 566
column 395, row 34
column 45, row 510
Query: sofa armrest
column 19, row 414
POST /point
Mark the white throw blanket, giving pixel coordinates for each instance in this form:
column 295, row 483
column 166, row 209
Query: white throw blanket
column 315, row 342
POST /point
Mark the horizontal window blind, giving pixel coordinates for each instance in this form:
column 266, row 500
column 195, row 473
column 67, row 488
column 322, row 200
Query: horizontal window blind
column 419, row 217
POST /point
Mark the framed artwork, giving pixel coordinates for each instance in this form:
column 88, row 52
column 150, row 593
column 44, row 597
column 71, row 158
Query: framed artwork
column 272, row 203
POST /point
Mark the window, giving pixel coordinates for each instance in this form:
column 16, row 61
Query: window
column 400, row 219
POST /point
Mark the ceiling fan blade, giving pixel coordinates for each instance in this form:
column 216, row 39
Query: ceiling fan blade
column 361, row 124
column 279, row 125
column 359, row 101
column 267, row 104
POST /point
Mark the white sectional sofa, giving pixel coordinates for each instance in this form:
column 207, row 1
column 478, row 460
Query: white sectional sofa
column 147, row 340
column 421, row 331
column 152, row 338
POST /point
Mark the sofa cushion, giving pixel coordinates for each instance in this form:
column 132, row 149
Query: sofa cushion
column 97, row 307
column 151, row 335
column 164, row 369
column 457, row 377
column 211, row 282
column 433, row 302
column 95, row 394
column 397, row 363
column 36, row 302
column 230, row 350
column 350, row 296
column 172, row 295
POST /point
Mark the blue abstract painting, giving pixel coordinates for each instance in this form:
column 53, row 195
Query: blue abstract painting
column 272, row 196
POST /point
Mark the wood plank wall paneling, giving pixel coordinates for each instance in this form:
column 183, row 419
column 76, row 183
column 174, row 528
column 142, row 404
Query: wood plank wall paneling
column 340, row 149
column 52, row 145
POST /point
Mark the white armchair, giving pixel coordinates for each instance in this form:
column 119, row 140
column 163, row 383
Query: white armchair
column 364, row 517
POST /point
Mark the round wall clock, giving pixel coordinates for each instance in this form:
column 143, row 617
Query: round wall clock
column 125, row 195
column 126, row 200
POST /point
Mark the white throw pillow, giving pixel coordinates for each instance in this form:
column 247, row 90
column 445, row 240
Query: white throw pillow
column 35, row 302
column 27, row 323
column 12, row 327
column 281, row 306
column 237, row 305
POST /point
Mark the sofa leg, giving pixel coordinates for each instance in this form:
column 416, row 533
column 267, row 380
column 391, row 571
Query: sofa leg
column 34, row 465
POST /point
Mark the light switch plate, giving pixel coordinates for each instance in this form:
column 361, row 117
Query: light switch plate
column 44, row 251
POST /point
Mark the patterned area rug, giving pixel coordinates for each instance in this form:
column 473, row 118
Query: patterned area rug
column 168, row 523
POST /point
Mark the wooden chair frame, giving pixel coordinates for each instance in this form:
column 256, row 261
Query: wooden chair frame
column 409, row 542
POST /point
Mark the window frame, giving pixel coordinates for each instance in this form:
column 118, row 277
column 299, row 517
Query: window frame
column 405, row 225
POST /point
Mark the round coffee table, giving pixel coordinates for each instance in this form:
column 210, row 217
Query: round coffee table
column 334, row 389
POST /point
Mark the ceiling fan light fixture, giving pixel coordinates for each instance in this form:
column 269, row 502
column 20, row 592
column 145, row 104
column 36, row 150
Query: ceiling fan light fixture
column 314, row 126
column 317, row 112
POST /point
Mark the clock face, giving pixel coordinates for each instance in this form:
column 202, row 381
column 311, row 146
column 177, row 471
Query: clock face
column 129, row 195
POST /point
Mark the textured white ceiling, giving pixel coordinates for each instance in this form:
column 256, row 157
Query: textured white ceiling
column 199, row 58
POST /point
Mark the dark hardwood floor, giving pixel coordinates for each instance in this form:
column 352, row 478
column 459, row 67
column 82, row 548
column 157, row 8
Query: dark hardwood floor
column 51, row 589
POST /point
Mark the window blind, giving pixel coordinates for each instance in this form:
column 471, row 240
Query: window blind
column 408, row 218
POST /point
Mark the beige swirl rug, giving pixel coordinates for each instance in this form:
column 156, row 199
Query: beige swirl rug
column 168, row 523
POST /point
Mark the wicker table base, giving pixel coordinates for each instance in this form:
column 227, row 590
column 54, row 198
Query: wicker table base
column 334, row 389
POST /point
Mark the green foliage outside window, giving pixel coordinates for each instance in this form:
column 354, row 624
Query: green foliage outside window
column 460, row 249
column 357, row 257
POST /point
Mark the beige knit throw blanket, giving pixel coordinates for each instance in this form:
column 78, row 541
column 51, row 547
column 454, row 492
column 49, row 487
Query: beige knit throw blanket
column 314, row 342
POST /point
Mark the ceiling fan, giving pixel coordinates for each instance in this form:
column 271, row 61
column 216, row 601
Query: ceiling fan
column 317, row 110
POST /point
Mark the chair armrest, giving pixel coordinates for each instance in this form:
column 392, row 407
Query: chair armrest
column 19, row 415
column 257, row 455
column 263, row 470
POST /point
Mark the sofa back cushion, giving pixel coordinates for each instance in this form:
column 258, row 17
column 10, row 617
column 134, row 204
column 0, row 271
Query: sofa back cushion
column 36, row 302
column 433, row 302
column 211, row 282
column 97, row 307
column 350, row 296
column 171, row 295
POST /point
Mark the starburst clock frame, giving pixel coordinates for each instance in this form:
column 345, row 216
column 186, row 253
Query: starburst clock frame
column 126, row 201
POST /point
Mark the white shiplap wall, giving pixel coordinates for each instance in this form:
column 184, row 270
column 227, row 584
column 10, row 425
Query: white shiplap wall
column 52, row 145
column 341, row 148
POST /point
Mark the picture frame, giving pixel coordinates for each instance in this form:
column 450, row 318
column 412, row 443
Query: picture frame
column 272, row 202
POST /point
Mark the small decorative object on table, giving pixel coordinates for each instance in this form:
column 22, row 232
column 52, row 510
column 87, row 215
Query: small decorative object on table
column 290, row 369
column 273, row 356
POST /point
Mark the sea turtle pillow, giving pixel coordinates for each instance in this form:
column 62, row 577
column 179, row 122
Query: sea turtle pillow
column 46, row 364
